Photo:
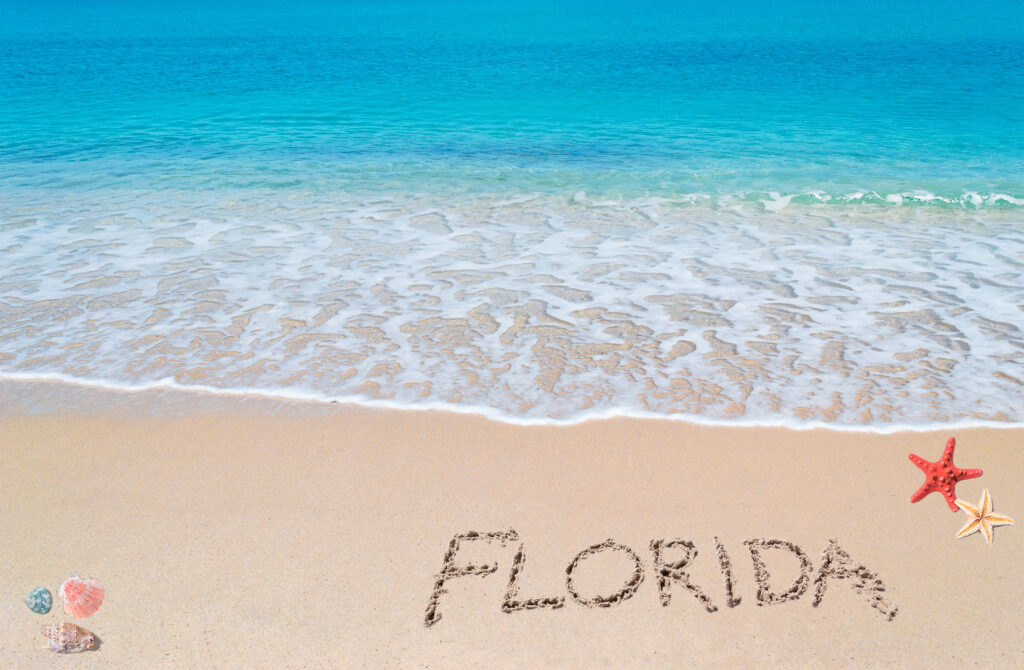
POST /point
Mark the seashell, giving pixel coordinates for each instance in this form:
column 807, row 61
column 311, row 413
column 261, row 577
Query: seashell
column 39, row 601
column 82, row 597
column 67, row 638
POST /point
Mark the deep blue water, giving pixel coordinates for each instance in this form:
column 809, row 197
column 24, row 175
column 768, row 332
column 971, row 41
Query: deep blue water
column 617, row 97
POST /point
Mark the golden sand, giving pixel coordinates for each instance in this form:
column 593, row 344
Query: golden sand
column 239, row 532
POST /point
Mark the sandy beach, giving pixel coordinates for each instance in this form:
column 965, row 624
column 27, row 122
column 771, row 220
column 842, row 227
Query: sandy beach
column 245, row 532
column 511, row 334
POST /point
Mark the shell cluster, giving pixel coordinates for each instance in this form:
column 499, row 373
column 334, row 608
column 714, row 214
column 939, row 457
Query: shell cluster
column 82, row 597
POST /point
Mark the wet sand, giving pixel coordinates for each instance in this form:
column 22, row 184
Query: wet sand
column 243, row 532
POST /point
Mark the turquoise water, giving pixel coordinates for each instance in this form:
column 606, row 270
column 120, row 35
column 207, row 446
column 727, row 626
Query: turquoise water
column 621, row 97
column 786, row 212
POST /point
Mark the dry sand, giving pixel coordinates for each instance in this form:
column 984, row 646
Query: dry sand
column 239, row 532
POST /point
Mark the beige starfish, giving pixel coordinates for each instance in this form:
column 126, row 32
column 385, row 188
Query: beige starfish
column 981, row 519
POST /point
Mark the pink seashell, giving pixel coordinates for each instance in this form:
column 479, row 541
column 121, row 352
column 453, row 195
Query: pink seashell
column 67, row 638
column 82, row 597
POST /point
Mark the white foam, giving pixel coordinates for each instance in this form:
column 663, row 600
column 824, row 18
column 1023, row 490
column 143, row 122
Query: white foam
column 530, row 307
column 492, row 414
column 997, row 198
column 777, row 201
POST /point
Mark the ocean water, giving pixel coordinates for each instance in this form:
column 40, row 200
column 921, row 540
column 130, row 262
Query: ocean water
column 794, row 212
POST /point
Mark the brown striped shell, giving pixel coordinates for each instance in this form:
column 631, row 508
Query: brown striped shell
column 67, row 638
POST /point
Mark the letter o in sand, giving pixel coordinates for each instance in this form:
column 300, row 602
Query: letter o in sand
column 626, row 592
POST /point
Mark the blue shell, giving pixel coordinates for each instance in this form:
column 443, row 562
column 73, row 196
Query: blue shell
column 39, row 601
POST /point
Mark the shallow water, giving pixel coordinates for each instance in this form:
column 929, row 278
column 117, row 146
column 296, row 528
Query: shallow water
column 788, row 213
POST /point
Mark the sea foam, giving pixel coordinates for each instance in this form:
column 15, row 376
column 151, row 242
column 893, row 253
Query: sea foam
column 529, row 307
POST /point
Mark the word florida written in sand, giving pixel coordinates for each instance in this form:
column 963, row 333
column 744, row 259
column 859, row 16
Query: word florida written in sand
column 836, row 564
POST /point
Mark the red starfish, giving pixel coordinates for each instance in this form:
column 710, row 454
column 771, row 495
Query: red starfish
column 942, row 475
